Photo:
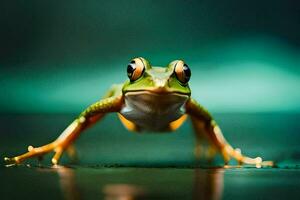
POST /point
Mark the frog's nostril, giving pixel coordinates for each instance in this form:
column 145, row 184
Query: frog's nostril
column 160, row 82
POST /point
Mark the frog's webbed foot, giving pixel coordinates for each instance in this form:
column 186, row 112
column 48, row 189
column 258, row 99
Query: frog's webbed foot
column 228, row 152
column 57, row 147
column 39, row 152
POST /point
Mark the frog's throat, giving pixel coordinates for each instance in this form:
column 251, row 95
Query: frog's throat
column 154, row 102
column 153, row 111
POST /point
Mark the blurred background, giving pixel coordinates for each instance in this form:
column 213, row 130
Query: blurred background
column 57, row 57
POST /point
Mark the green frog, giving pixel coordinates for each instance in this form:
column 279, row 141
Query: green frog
column 155, row 99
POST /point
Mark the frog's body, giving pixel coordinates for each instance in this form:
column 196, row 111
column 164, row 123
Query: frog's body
column 154, row 99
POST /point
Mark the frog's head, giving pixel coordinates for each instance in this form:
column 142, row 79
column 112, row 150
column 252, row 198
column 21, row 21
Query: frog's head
column 170, row 79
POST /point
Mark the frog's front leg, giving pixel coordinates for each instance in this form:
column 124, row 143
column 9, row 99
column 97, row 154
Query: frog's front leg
column 204, row 124
column 88, row 117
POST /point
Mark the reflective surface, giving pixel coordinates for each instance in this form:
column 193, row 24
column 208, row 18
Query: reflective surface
column 115, row 164
column 148, row 183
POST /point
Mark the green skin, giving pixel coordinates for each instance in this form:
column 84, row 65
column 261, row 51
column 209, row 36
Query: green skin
column 158, row 81
column 146, row 82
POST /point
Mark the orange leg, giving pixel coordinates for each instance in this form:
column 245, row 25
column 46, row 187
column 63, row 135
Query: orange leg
column 87, row 118
column 218, row 143
column 58, row 146
column 205, row 125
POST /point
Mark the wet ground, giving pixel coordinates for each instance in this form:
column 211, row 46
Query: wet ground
column 149, row 183
column 115, row 164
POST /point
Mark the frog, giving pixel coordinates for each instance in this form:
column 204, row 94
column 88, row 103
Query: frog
column 153, row 99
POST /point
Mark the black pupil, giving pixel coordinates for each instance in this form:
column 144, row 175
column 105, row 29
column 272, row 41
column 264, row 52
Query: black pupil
column 130, row 69
column 187, row 72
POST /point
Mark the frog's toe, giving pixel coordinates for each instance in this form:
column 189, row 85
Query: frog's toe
column 258, row 161
column 267, row 163
column 228, row 152
column 57, row 155
column 11, row 161
column 251, row 161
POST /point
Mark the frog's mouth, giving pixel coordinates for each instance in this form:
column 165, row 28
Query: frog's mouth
column 158, row 91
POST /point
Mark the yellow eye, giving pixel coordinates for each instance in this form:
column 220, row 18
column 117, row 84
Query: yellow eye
column 182, row 72
column 135, row 69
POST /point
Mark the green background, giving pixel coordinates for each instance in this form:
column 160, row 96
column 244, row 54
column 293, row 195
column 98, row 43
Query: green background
column 60, row 56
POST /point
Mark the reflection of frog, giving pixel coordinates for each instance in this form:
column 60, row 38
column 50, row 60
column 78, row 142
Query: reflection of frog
column 131, row 184
column 153, row 99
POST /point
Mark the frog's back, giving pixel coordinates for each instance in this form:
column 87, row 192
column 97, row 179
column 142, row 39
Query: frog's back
column 149, row 111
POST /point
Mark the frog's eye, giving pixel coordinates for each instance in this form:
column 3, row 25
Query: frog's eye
column 182, row 72
column 135, row 69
